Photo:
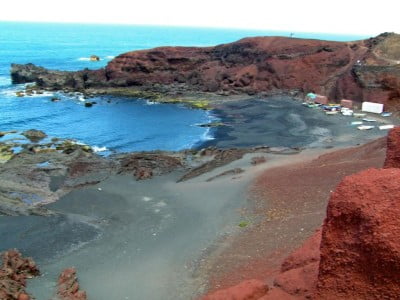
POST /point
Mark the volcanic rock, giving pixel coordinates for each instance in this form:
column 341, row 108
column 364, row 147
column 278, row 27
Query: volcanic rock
column 360, row 249
column 246, row 290
column 13, row 274
column 362, row 70
column 393, row 149
column 34, row 135
column 68, row 286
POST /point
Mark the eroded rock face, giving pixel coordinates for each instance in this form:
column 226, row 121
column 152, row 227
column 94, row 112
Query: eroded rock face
column 13, row 274
column 68, row 286
column 358, row 70
column 393, row 149
column 360, row 249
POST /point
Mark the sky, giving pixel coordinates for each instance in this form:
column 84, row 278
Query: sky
column 337, row 16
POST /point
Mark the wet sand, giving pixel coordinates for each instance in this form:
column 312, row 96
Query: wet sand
column 158, row 239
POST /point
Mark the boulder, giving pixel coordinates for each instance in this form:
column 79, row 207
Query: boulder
column 68, row 286
column 393, row 149
column 360, row 248
column 34, row 135
column 94, row 58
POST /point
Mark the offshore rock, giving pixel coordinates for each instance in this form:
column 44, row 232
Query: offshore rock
column 393, row 149
column 360, row 249
column 360, row 70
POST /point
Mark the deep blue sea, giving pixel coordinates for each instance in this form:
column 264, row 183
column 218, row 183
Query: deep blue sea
column 116, row 124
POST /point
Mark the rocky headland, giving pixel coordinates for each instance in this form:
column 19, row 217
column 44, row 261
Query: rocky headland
column 365, row 70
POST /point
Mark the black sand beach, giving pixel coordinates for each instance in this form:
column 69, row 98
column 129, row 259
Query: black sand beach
column 144, row 239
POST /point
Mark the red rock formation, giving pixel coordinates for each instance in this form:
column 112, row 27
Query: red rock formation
column 393, row 149
column 360, row 249
column 300, row 270
column 13, row 274
column 353, row 70
column 246, row 290
column 68, row 286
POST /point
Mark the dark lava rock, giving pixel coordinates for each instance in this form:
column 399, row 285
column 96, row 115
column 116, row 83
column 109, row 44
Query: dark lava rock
column 34, row 135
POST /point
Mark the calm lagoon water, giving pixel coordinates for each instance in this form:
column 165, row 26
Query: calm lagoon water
column 119, row 124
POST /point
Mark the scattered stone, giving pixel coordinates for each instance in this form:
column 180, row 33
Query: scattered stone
column 20, row 94
column 34, row 135
column 229, row 172
column 88, row 104
column 143, row 173
column 55, row 99
column 258, row 160
column 6, row 152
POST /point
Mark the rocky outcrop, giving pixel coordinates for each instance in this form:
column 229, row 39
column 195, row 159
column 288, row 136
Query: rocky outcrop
column 360, row 250
column 249, row 290
column 360, row 70
column 16, row 269
column 68, row 286
column 393, row 149
column 34, row 135
column 13, row 274
column 356, row 254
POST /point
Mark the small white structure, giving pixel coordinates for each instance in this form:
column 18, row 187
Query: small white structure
column 372, row 107
column 383, row 127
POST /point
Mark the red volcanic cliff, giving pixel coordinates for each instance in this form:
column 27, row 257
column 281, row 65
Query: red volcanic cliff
column 359, row 70
column 393, row 149
column 357, row 256
column 360, row 249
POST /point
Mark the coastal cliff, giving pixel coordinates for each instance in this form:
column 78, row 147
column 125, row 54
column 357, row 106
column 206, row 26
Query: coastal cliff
column 354, row 254
column 360, row 70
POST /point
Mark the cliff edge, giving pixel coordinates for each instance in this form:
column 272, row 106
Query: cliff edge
column 360, row 70
column 355, row 255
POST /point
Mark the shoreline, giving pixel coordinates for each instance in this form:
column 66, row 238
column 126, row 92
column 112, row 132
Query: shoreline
column 208, row 205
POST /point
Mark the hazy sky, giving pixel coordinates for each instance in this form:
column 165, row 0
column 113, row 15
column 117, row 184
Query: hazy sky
column 336, row 16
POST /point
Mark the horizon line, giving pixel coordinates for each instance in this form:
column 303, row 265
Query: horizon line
column 191, row 27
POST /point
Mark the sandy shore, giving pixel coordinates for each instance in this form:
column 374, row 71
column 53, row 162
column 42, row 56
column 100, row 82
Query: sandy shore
column 163, row 239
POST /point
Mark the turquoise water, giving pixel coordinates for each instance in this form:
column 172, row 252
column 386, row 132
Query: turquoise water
column 115, row 123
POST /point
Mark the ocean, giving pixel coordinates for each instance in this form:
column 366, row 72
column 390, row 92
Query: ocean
column 115, row 124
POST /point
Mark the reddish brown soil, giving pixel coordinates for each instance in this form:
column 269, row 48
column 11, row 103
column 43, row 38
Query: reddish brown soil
column 393, row 146
column 290, row 205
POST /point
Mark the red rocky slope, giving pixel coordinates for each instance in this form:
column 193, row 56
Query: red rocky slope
column 360, row 70
column 358, row 254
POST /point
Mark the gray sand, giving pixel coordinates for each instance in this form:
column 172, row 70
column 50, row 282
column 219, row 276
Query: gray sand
column 284, row 122
column 143, row 240
column 133, row 240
